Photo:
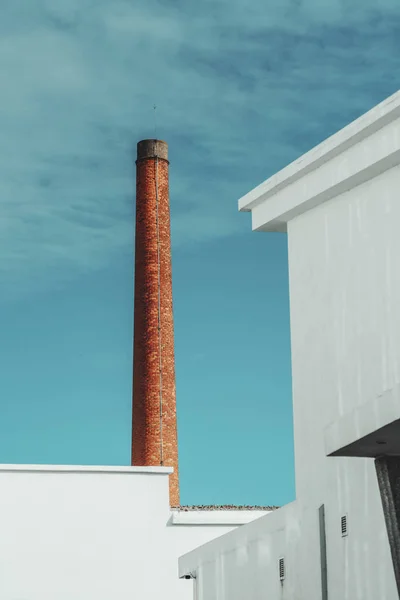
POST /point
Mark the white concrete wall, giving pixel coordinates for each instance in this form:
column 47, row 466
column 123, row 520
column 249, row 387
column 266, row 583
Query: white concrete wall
column 93, row 534
column 243, row 564
column 344, row 255
column 345, row 328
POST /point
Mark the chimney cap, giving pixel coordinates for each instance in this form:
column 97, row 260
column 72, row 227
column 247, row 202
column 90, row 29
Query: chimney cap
column 152, row 149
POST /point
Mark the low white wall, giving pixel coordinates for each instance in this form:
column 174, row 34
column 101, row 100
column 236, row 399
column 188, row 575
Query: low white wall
column 93, row 533
column 243, row 564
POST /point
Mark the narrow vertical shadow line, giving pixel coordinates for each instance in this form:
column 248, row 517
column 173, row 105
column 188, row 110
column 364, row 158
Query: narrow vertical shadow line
column 388, row 474
column 322, row 546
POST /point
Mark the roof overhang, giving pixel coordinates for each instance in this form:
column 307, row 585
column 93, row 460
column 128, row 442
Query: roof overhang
column 370, row 430
column 361, row 151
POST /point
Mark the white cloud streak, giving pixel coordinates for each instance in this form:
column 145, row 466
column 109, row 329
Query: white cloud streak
column 241, row 90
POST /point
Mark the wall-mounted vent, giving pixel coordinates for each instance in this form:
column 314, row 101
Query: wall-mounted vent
column 281, row 569
column 343, row 525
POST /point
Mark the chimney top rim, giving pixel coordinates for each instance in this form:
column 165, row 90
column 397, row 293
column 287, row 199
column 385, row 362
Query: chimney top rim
column 152, row 148
column 157, row 140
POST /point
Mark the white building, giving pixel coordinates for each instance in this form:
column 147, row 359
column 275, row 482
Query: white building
column 98, row 533
column 340, row 207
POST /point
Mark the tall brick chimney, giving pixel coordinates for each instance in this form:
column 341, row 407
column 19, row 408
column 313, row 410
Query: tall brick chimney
column 154, row 431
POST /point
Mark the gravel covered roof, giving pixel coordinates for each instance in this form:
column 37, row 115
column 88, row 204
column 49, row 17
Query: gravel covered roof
column 223, row 507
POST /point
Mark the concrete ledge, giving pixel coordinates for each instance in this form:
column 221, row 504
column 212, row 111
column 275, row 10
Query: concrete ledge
column 215, row 517
column 84, row 469
column 310, row 180
column 370, row 430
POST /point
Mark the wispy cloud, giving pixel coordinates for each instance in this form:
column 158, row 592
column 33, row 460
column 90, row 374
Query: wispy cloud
column 241, row 90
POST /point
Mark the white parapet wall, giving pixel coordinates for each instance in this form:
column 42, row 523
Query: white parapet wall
column 96, row 533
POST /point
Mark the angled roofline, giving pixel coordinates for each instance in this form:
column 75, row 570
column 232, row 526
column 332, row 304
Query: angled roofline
column 351, row 161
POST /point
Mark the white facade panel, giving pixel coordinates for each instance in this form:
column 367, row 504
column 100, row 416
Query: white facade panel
column 345, row 331
column 92, row 533
column 245, row 563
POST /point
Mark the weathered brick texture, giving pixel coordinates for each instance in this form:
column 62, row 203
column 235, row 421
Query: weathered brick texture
column 154, row 431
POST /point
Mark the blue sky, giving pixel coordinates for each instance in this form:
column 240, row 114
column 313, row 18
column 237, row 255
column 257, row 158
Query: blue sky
column 241, row 90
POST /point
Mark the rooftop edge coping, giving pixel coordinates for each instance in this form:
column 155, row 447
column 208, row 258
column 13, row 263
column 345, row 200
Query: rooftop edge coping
column 227, row 515
column 84, row 469
column 361, row 128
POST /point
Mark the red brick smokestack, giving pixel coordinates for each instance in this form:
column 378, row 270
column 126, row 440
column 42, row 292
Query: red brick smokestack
column 154, row 432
